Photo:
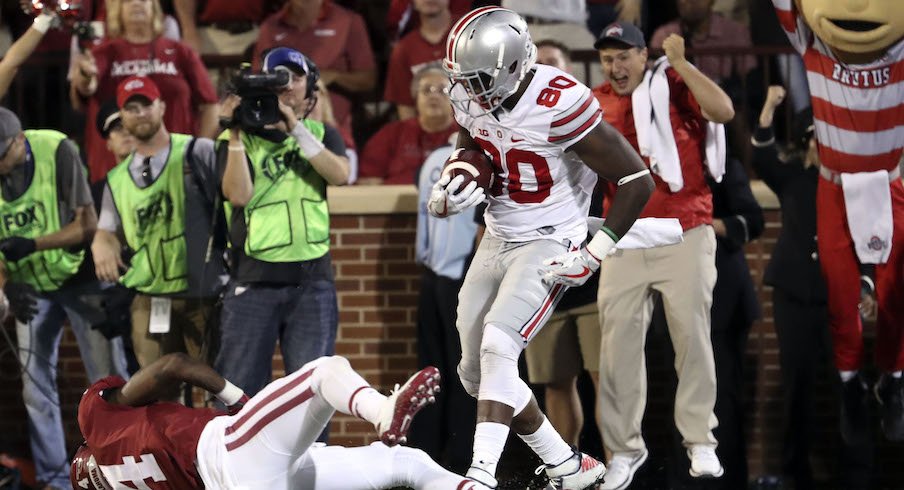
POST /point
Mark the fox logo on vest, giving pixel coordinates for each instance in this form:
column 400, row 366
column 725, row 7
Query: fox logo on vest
column 24, row 220
column 156, row 209
column 275, row 166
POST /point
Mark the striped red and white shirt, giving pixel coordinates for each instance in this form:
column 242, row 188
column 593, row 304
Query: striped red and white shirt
column 539, row 190
column 858, row 109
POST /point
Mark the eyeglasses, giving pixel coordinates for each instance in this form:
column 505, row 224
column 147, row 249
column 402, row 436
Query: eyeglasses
column 434, row 89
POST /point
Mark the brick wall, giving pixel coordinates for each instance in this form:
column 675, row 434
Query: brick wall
column 378, row 283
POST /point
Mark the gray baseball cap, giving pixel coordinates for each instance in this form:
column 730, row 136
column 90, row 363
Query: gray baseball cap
column 9, row 127
column 624, row 33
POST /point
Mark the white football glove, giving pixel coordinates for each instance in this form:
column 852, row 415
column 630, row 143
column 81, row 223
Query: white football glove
column 445, row 201
column 574, row 268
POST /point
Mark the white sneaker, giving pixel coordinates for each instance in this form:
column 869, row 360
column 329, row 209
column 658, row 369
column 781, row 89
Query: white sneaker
column 704, row 462
column 622, row 467
column 576, row 473
column 405, row 401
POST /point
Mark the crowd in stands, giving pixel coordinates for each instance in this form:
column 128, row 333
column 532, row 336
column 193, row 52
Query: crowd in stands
column 157, row 201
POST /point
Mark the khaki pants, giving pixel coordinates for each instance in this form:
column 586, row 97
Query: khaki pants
column 569, row 342
column 684, row 274
column 188, row 322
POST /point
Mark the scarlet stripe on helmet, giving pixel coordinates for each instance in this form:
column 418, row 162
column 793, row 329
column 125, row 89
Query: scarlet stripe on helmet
column 453, row 36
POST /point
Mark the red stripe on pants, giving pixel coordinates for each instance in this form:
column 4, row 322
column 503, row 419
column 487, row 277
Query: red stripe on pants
column 840, row 267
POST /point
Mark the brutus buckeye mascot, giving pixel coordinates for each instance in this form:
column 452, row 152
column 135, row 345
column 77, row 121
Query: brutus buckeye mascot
column 854, row 54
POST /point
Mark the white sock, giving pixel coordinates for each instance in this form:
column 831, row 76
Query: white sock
column 896, row 374
column 847, row 375
column 489, row 441
column 548, row 444
column 347, row 391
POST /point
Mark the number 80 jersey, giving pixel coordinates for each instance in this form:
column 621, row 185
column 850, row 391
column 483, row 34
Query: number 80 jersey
column 539, row 190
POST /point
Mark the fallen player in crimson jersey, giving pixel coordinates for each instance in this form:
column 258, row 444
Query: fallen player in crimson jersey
column 132, row 440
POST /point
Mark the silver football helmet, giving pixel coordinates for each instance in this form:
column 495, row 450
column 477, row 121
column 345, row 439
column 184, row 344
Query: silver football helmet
column 488, row 52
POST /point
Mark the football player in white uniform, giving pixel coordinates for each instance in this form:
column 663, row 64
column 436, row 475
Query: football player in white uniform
column 540, row 127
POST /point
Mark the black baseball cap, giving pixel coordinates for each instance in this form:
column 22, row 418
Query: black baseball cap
column 622, row 33
column 107, row 118
column 9, row 127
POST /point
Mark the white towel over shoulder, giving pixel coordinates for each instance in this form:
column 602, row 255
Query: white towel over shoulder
column 645, row 232
column 655, row 138
column 867, row 203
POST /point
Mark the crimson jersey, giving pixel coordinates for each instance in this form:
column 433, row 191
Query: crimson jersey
column 858, row 110
column 174, row 67
column 150, row 447
column 539, row 190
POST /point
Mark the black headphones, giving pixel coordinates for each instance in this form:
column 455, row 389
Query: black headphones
column 295, row 60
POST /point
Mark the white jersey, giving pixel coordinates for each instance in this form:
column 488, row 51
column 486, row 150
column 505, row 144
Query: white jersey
column 538, row 190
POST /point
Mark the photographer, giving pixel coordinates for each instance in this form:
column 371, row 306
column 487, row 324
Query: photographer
column 282, row 280
column 48, row 218
column 160, row 201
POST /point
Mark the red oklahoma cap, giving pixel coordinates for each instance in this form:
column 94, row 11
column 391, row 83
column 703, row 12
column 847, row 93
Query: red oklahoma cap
column 136, row 85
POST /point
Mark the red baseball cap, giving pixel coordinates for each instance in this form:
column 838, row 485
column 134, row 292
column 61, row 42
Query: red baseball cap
column 135, row 86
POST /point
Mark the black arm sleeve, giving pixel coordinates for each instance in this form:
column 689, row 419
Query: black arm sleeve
column 745, row 219
column 332, row 140
column 766, row 162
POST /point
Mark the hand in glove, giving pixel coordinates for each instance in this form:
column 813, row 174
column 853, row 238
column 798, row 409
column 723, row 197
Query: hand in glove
column 23, row 303
column 445, row 201
column 17, row 248
column 574, row 268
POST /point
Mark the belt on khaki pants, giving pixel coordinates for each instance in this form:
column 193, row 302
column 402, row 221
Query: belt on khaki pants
column 835, row 177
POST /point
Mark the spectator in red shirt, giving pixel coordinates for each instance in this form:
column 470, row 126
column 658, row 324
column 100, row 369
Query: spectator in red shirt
column 684, row 274
column 414, row 51
column 402, row 16
column 394, row 154
column 221, row 26
column 334, row 37
column 134, row 46
column 706, row 29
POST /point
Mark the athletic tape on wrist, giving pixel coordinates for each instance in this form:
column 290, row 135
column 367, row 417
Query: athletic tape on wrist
column 310, row 145
column 230, row 394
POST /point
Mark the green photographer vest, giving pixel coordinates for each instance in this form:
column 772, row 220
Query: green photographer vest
column 153, row 222
column 287, row 218
column 36, row 213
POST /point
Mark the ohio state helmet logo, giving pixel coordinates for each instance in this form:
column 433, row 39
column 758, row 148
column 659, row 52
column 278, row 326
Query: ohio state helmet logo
column 876, row 243
column 614, row 31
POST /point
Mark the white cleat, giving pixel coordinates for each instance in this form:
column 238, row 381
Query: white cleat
column 576, row 473
column 482, row 477
column 400, row 407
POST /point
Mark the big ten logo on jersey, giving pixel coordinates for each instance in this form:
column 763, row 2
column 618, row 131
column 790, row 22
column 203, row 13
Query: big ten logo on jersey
column 550, row 95
column 877, row 77
column 24, row 219
column 156, row 209
column 276, row 164
column 134, row 472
